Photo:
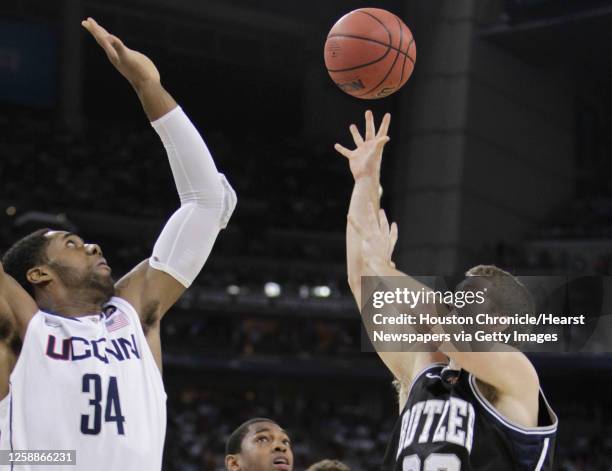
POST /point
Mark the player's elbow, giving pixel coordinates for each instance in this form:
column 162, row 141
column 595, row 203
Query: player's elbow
column 221, row 198
column 230, row 200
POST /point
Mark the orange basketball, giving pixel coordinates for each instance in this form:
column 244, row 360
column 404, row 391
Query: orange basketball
column 370, row 53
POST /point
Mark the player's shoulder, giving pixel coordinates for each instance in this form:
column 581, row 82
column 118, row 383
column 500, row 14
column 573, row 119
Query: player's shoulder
column 17, row 307
column 118, row 303
column 423, row 374
column 512, row 415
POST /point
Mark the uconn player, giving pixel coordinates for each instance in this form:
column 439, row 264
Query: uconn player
column 458, row 410
column 259, row 444
column 88, row 374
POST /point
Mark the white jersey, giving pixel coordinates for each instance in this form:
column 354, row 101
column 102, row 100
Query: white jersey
column 88, row 384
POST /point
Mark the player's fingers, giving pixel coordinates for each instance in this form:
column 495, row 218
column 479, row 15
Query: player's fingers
column 370, row 129
column 343, row 151
column 95, row 29
column 381, row 141
column 394, row 235
column 117, row 45
column 111, row 52
column 102, row 38
column 384, row 126
column 355, row 225
column 356, row 135
column 89, row 26
column 383, row 222
column 372, row 218
column 101, row 29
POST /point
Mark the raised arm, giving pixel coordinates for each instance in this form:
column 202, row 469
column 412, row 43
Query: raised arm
column 365, row 162
column 16, row 309
column 207, row 199
column 510, row 373
column 137, row 69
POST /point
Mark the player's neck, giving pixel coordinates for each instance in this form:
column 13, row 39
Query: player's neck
column 71, row 303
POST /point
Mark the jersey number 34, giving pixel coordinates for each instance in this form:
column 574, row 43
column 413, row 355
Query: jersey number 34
column 91, row 424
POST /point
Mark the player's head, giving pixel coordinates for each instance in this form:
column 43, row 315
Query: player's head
column 259, row 444
column 49, row 259
column 505, row 294
column 328, row 465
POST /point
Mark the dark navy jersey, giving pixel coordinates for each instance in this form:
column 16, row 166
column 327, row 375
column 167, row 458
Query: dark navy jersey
column 448, row 425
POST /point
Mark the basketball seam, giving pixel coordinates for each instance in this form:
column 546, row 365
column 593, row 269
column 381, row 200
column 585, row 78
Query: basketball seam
column 408, row 49
column 381, row 24
column 377, row 42
column 362, row 65
column 402, row 74
column 389, row 46
column 399, row 48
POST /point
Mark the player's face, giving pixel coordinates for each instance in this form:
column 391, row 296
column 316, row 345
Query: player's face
column 76, row 263
column 266, row 448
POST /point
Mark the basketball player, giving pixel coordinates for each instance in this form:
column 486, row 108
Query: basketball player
column 328, row 465
column 259, row 444
column 458, row 410
column 88, row 375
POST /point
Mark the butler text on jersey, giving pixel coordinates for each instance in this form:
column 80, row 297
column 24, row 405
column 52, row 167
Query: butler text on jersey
column 437, row 420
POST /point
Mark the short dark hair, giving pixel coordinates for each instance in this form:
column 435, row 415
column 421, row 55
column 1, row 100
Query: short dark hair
column 233, row 445
column 24, row 254
column 328, row 465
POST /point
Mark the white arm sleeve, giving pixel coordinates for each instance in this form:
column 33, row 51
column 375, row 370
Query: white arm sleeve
column 207, row 200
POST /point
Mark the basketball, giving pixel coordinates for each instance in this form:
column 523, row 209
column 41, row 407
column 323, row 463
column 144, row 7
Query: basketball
column 370, row 53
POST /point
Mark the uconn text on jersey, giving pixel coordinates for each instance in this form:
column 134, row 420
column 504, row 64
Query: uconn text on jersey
column 79, row 348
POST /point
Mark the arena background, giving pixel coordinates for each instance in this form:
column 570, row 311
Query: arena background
column 500, row 153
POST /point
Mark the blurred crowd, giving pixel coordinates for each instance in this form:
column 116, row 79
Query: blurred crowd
column 275, row 285
column 354, row 428
column 122, row 167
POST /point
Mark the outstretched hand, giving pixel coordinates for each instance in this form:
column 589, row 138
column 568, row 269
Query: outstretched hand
column 137, row 68
column 365, row 159
column 378, row 237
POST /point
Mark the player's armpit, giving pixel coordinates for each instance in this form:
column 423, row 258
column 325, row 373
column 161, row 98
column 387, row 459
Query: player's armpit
column 400, row 364
column 152, row 292
column 405, row 366
column 8, row 358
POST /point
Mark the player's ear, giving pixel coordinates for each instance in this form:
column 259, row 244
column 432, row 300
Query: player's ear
column 38, row 275
column 232, row 463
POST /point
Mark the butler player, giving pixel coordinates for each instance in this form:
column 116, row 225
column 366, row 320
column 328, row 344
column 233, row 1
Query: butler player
column 458, row 410
column 87, row 376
